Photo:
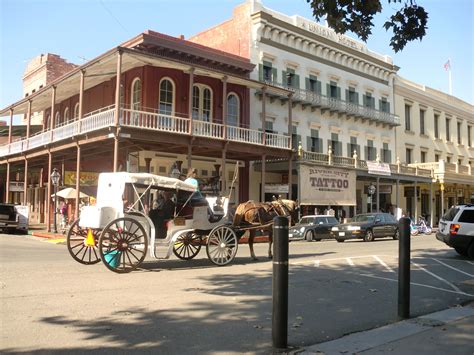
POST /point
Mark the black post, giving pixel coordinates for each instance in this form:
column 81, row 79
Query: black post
column 55, row 207
column 280, row 283
column 404, row 269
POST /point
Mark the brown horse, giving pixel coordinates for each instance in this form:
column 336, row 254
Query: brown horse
column 255, row 216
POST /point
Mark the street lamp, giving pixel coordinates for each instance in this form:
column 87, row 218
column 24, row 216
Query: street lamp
column 371, row 191
column 55, row 176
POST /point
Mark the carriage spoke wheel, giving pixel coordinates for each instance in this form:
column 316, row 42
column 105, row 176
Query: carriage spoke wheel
column 222, row 245
column 187, row 246
column 82, row 244
column 123, row 245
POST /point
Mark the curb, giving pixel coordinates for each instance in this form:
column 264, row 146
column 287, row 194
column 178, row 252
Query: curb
column 47, row 235
column 366, row 340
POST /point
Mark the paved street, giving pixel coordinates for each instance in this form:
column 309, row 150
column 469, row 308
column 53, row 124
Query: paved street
column 51, row 303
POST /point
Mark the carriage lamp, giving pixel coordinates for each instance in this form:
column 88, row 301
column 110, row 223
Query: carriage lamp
column 371, row 191
column 55, row 176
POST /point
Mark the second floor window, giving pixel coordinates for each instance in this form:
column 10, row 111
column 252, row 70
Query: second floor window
column 469, row 143
column 267, row 72
column 335, row 145
column 353, row 147
column 422, row 121
column 202, row 103
column 459, row 132
column 233, row 110
column 409, row 155
column 369, row 101
column 313, row 85
column 407, row 117
column 315, row 144
column 448, row 133
column 384, row 105
column 370, row 152
column 76, row 111
column 136, row 94
column 66, row 115
column 290, row 79
column 423, row 156
column 295, row 138
column 352, row 96
column 436, row 126
column 386, row 154
column 166, row 97
column 333, row 91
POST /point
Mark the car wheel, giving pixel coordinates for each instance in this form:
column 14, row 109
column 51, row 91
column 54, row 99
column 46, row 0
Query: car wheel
column 396, row 235
column 340, row 240
column 470, row 251
column 369, row 236
column 309, row 236
column 461, row 251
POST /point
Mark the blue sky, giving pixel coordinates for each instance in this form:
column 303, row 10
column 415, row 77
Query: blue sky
column 83, row 29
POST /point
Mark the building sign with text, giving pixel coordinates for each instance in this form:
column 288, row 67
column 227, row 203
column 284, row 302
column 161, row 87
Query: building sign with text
column 327, row 186
column 85, row 179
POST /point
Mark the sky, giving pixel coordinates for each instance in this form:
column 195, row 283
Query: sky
column 79, row 30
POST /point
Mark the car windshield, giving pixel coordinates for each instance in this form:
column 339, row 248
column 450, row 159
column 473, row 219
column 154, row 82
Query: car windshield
column 306, row 220
column 452, row 212
column 364, row 218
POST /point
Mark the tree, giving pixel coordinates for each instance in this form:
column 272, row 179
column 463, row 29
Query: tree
column 408, row 23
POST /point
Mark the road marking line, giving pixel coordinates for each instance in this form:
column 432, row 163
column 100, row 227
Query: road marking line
column 451, row 267
column 382, row 262
column 438, row 277
column 417, row 284
column 350, row 262
column 332, row 259
column 469, row 262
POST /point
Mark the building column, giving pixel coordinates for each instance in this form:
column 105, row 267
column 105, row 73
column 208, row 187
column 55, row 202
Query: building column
column 53, row 109
column 262, row 195
column 10, row 127
column 431, row 205
column 78, row 181
column 190, row 161
column 441, row 187
column 224, row 171
column 7, row 188
column 416, row 203
column 25, row 188
column 290, row 134
column 224, row 106
column 190, row 102
column 397, row 194
column 48, row 197
column 117, row 109
column 28, row 121
column 148, row 165
column 81, row 99
column 264, row 114
column 290, row 176
column 378, row 195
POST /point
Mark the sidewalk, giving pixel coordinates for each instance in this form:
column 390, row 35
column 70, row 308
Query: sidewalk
column 39, row 230
column 443, row 332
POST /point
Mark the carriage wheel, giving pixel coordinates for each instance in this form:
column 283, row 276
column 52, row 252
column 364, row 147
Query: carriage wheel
column 123, row 245
column 82, row 244
column 187, row 246
column 222, row 245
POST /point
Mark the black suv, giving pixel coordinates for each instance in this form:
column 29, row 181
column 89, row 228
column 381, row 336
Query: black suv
column 8, row 217
column 456, row 229
column 367, row 227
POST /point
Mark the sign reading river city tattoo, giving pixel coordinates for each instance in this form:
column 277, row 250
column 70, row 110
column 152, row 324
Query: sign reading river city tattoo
column 327, row 186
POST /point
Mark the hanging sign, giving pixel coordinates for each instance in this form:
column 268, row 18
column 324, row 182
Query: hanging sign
column 376, row 168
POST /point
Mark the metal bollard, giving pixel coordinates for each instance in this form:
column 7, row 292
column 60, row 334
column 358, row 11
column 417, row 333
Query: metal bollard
column 404, row 268
column 280, row 283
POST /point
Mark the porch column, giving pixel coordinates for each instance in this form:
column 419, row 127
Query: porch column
column 441, row 187
column 7, row 188
column 262, row 195
column 264, row 115
column 416, row 203
column 51, row 119
column 190, row 103
column 378, row 195
column 290, row 176
column 397, row 194
column 81, row 100
column 117, row 109
column 48, row 197
column 224, row 171
column 148, row 164
column 28, row 120
column 78, row 179
column 224, row 106
column 26, row 183
column 190, row 152
column 290, row 135
column 431, row 205
column 10, row 127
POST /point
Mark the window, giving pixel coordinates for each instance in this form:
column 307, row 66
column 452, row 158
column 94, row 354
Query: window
column 353, row 146
column 313, row 85
column 448, row 159
column 166, row 97
column 233, row 110
column 290, row 78
column 314, row 143
column 437, row 157
column 76, row 111
column 66, row 115
column 370, row 152
column 459, row 132
column 136, row 94
column 333, row 91
column 352, row 96
column 202, row 103
column 267, row 72
column 459, row 161
column 436, row 126
column 384, row 105
column 295, row 137
column 386, row 154
column 423, row 156
column 408, row 158
column 335, row 145
column 422, row 121
column 57, row 119
column 448, row 134
column 469, row 142
column 407, row 118
column 369, row 101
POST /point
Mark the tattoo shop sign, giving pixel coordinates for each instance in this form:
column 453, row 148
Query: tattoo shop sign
column 327, row 186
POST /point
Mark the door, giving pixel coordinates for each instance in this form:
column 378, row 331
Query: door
column 379, row 226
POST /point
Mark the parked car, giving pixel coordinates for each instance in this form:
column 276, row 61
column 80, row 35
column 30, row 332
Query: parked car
column 8, row 218
column 367, row 227
column 456, row 229
column 313, row 228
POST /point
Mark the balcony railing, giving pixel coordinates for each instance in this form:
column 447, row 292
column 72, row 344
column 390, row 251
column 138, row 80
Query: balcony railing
column 442, row 167
column 337, row 105
column 104, row 117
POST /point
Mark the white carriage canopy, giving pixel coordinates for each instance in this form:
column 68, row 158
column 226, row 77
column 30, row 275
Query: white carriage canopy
column 145, row 179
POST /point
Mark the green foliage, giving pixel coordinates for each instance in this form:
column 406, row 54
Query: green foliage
column 407, row 24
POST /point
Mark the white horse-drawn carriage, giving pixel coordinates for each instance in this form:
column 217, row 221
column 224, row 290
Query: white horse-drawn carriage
column 119, row 229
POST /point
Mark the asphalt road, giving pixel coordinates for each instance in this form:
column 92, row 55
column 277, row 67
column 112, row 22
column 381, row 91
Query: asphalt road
column 50, row 303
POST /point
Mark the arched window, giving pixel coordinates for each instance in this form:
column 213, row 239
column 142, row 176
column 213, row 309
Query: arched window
column 166, row 98
column 66, row 115
column 233, row 110
column 57, row 119
column 136, row 94
column 202, row 103
column 76, row 111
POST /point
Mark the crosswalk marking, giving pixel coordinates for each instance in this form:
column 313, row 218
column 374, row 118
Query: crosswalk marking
column 383, row 263
column 451, row 267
